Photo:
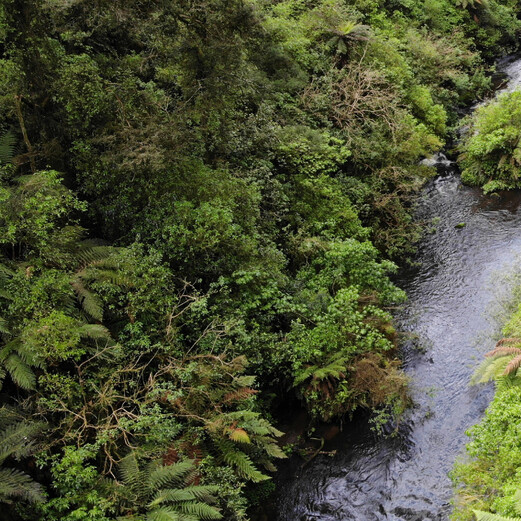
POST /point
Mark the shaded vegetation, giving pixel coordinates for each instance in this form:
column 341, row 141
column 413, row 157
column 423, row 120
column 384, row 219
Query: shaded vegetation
column 491, row 155
column 488, row 482
column 201, row 204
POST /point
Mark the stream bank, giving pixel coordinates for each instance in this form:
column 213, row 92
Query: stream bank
column 459, row 278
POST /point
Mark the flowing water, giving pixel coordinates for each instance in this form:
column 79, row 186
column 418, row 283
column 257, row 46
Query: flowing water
column 461, row 276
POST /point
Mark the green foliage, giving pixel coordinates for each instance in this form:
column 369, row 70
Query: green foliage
column 80, row 492
column 249, row 168
column 491, row 156
column 490, row 480
column 486, row 516
column 17, row 438
column 164, row 492
column 35, row 215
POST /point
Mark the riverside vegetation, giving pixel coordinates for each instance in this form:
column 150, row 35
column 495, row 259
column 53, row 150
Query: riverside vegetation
column 488, row 487
column 201, row 203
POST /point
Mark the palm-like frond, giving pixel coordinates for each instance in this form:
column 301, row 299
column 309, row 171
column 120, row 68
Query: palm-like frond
column 334, row 368
column 17, row 438
column 168, row 514
column 189, row 493
column 513, row 365
column 487, row 516
column 16, row 485
column 503, row 360
column 94, row 331
column 4, row 327
column 17, row 441
column 7, row 147
column 240, row 461
column 132, row 476
column 19, row 371
column 185, row 502
column 199, row 510
column 168, row 475
column 88, row 300
column 88, row 254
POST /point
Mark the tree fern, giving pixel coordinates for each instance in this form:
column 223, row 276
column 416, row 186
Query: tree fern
column 152, row 488
column 17, row 441
column 199, row 510
column 17, row 365
column 15, row 485
column 94, row 263
column 88, row 300
column 334, row 368
column 170, row 475
column 240, row 461
column 487, row 516
column 7, row 147
column 504, row 360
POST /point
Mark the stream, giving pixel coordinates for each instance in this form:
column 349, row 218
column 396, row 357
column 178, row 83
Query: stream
column 461, row 278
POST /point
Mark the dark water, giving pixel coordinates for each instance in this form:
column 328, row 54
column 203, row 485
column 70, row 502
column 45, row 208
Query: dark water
column 463, row 274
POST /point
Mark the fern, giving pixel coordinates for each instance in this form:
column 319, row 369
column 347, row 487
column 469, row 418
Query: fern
column 240, row 461
column 190, row 493
column 199, row 510
column 166, row 514
column 90, row 302
column 147, row 488
column 335, row 368
column 17, row 440
column 487, row 516
column 88, row 254
column 94, row 331
column 503, row 360
column 169, row 475
column 7, row 147
column 16, row 485
column 239, row 435
column 19, row 371
column 4, row 328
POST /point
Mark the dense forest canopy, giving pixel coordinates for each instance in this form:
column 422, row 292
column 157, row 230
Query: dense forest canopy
column 202, row 203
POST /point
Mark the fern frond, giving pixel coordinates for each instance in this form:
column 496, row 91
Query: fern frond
column 131, row 475
column 191, row 493
column 517, row 499
column 20, row 372
column 200, row 511
column 94, row 331
column 240, row 395
column 27, row 354
column 113, row 276
column 4, row 328
column 7, row 145
column 489, row 369
column 167, row 514
column 507, row 382
column 513, row 365
column 270, row 447
column 17, row 439
column 90, row 302
column 503, row 351
column 15, row 484
column 487, row 516
column 167, row 475
column 508, row 340
column 240, row 462
column 239, row 436
column 88, row 254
